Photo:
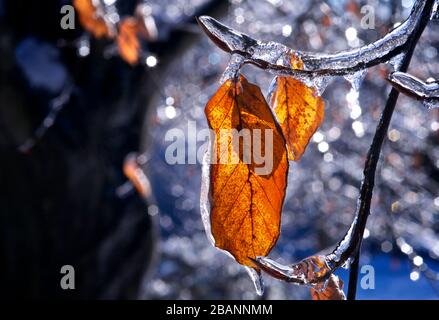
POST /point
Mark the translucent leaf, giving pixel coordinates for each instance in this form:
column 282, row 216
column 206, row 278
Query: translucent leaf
column 245, row 201
column 299, row 111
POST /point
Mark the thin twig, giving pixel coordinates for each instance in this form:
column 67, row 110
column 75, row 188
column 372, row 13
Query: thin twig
column 414, row 87
column 366, row 191
column 349, row 246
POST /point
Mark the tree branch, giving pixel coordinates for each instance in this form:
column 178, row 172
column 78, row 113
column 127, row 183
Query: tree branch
column 366, row 191
column 275, row 57
column 318, row 268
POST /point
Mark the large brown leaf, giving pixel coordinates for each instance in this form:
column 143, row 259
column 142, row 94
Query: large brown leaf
column 90, row 20
column 298, row 109
column 245, row 204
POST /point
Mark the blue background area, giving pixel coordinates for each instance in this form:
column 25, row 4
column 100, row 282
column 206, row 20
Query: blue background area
column 392, row 279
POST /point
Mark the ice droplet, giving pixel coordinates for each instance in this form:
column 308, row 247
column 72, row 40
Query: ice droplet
column 356, row 79
column 396, row 61
column 257, row 280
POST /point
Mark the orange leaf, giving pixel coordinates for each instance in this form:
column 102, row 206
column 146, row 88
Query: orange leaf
column 332, row 291
column 128, row 41
column 298, row 109
column 135, row 174
column 90, row 20
column 246, row 204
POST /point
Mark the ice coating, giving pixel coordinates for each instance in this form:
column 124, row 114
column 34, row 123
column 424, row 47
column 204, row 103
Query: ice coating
column 416, row 88
column 257, row 280
column 356, row 79
column 205, row 217
column 204, row 196
column 233, row 67
column 271, row 55
column 320, row 83
column 312, row 271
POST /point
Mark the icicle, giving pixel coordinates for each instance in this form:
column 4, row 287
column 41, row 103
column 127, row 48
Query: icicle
column 320, row 83
column 396, row 61
column 257, row 280
column 204, row 195
column 356, row 79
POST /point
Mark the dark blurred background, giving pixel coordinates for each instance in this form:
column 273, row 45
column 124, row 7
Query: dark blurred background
column 71, row 110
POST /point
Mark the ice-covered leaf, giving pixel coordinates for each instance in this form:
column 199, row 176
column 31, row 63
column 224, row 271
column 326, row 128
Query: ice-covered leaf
column 299, row 110
column 332, row 290
column 246, row 194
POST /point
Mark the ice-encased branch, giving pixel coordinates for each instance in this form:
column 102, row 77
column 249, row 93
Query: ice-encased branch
column 274, row 56
column 318, row 268
column 414, row 87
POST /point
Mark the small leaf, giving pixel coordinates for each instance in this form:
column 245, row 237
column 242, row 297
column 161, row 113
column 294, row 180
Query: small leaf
column 298, row 109
column 90, row 20
column 245, row 204
column 333, row 290
column 128, row 41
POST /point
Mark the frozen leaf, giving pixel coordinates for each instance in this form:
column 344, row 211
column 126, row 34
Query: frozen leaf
column 90, row 19
column 128, row 41
column 246, row 195
column 299, row 110
column 332, row 290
